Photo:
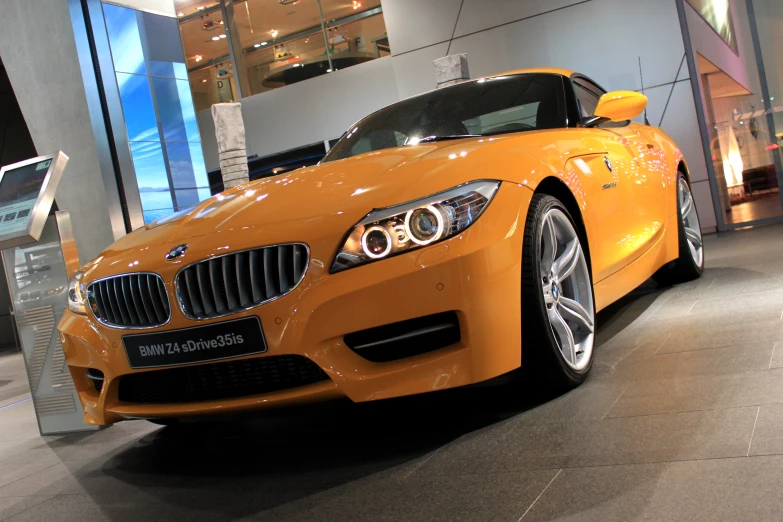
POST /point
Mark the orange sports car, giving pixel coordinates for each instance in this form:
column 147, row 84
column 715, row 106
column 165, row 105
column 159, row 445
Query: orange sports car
column 445, row 240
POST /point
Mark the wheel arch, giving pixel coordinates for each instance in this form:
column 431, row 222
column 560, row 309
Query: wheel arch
column 683, row 167
column 555, row 187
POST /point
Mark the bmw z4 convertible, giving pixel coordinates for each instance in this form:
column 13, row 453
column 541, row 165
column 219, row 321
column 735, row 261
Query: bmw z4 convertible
column 445, row 240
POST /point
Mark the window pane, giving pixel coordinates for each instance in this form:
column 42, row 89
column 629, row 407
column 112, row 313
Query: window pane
column 181, row 166
column 188, row 175
column 124, row 38
column 188, row 111
column 284, row 44
column 170, row 109
column 199, row 167
column 588, row 100
column 152, row 180
column 163, row 45
column 137, row 107
column 512, row 118
column 188, row 197
column 206, row 54
column 175, row 110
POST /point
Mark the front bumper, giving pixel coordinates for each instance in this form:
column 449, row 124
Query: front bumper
column 477, row 274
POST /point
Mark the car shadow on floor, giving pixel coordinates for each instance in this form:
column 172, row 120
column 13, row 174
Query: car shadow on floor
column 248, row 465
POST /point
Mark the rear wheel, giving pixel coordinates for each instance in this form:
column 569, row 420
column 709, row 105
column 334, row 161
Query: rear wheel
column 690, row 264
column 558, row 319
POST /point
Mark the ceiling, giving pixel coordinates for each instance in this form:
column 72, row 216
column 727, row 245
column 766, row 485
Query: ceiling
column 255, row 21
column 721, row 84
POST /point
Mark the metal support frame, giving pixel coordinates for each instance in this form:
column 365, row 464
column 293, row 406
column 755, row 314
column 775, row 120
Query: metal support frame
column 326, row 37
column 700, row 113
column 231, row 35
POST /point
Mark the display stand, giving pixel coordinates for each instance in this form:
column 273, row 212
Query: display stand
column 39, row 255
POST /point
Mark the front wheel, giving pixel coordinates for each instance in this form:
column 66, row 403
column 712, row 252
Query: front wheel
column 690, row 264
column 558, row 318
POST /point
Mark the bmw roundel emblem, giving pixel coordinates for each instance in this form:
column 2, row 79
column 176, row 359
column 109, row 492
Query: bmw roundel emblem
column 176, row 252
column 608, row 163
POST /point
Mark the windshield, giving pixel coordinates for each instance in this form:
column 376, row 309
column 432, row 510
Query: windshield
column 500, row 105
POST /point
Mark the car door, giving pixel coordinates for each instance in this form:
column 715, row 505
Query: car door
column 639, row 193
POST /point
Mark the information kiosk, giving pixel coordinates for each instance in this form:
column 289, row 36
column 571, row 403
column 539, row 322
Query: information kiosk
column 39, row 256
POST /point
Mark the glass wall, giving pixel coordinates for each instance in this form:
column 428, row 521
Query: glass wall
column 275, row 43
column 158, row 109
column 768, row 18
column 742, row 148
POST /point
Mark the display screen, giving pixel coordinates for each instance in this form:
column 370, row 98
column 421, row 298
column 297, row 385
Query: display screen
column 19, row 189
column 717, row 13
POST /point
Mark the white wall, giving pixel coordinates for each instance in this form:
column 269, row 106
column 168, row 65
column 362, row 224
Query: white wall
column 601, row 38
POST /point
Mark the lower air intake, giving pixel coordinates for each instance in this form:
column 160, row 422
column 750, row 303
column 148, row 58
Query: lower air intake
column 96, row 376
column 406, row 338
column 219, row 381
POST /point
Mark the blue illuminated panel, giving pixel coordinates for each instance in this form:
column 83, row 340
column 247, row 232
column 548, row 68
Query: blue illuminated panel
column 160, row 118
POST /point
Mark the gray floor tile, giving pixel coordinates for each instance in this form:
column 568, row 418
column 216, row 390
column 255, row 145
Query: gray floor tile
column 691, row 337
column 687, row 381
column 16, row 505
column 768, row 434
column 776, row 361
column 766, row 303
column 739, row 489
column 518, row 446
column 707, row 361
column 498, row 496
column 701, row 393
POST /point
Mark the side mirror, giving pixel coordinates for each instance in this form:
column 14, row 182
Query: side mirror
column 618, row 106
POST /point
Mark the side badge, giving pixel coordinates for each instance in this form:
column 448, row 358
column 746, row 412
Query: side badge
column 608, row 163
column 176, row 252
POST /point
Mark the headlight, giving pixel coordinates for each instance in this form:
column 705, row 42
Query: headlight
column 390, row 231
column 77, row 297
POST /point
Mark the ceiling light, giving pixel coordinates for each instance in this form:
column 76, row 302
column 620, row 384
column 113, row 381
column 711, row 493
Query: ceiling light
column 180, row 14
column 200, row 8
column 296, row 65
column 263, row 43
column 198, row 57
column 274, row 33
column 221, row 22
column 257, row 45
column 204, row 80
column 222, row 36
column 215, row 38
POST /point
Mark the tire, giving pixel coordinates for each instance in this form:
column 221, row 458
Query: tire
column 690, row 263
column 557, row 298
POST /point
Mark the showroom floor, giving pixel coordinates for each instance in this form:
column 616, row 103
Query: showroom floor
column 682, row 419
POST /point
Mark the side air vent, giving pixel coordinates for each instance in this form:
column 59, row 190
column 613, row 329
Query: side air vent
column 131, row 300
column 406, row 338
column 234, row 282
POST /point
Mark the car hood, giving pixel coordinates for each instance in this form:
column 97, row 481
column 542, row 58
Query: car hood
column 347, row 189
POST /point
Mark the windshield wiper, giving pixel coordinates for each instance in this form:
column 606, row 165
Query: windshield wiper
column 429, row 139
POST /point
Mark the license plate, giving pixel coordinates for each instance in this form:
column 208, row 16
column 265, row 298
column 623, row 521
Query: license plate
column 199, row 344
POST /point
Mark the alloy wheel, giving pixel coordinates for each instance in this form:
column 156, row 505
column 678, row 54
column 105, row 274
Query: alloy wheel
column 690, row 222
column 567, row 289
